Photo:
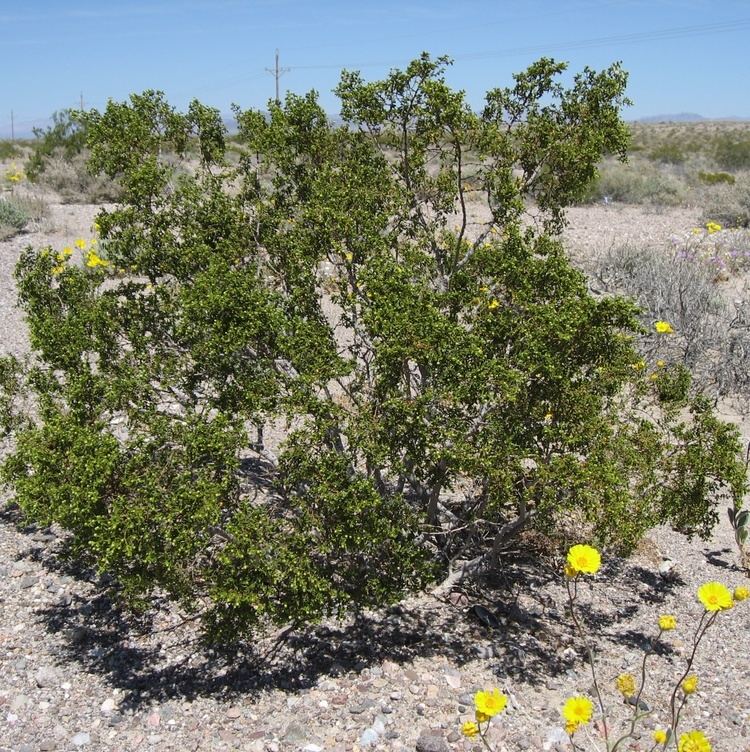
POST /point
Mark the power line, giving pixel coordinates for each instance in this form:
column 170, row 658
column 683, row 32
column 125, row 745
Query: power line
column 277, row 73
column 676, row 32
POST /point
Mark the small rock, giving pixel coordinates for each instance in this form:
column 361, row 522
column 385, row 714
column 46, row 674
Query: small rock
column 153, row 720
column 27, row 581
column 312, row 748
column 26, row 748
column 453, row 679
column 295, row 733
column 19, row 702
column 81, row 738
column 369, row 737
column 395, row 695
column 108, row 706
column 47, row 745
column 431, row 741
column 234, row 712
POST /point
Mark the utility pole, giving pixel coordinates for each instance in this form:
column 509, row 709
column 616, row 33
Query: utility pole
column 12, row 127
column 277, row 73
column 81, row 101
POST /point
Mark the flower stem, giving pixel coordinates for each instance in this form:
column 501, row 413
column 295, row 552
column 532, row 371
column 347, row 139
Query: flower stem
column 590, row 652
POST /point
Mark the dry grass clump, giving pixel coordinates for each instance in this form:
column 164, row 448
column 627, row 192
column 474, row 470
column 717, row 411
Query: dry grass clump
column 69, row 178
column 682, row 286
column 19, row 213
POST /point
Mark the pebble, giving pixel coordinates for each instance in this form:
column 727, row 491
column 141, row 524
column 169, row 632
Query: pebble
column 46, row 677
column 108, row 705
column 369, row 737
column 80, row 739
column 234, row 712
column 431, row 741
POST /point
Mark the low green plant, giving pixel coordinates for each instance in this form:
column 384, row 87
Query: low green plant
column 9, row 150
column 13, row 218
column 578, row 710
column 66, row 137
column 716, row 178
column 636, row 183
column 439, row 386
column 732, row 151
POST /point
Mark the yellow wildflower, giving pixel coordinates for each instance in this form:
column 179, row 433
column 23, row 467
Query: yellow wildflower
column 571, row 727
column 625, row 684
column 493, row 304
column 548, row 417
column 639, row 366
column 481, row 717
column 349, row 256
column 570, row 571
column 577, row 710
column 690, row 684
column 663, row 327
column 667, row 622
column 660, row 736
column 653, row 377
column 715, row 597
column 96, row 228
column 490, row 703
column 660, row 363
column 470, row 729
column 92, row 260
column 712, row 227
column 693, row 741
column 696, row 230
column 585, row 559
column 741, row 593
column 81, row 244
column 57, row 270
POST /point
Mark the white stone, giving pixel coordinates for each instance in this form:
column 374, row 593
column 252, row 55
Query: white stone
column 108, row 705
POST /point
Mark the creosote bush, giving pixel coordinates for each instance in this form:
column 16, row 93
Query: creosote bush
column 440, row 386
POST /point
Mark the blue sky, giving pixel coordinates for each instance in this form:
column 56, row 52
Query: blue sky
column 682, row 55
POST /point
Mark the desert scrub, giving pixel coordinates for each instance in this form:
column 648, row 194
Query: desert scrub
column 638, row 182
column 13, row 217
column 729, row 203
column 59, row 161
column 579, row 712
column 683, row 285
column 447, row 391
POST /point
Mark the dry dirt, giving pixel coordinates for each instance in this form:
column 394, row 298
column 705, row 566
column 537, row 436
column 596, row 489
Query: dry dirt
column 76, row 673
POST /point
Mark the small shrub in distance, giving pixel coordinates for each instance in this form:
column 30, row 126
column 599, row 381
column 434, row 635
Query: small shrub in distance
column 732, row 151
column 716, row 178
column 450, row 390
column 13, row 218
column 9, row 150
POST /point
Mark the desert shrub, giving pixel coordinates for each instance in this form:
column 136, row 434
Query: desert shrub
column 668, row 153
column 729, row 204
column 72, row 181
column 66, row 137
column 8, row 150
column 13, row 217
column 59, row 161
column 711, row 335
column 636, row 183
column 732, row 151
column 716, row 178
column 449, row 391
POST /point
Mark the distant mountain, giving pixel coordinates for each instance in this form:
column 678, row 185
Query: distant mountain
column 682, row 117
column 687, row 117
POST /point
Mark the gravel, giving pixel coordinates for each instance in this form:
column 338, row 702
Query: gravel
column 78, row 673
